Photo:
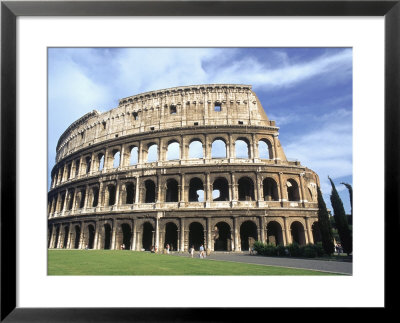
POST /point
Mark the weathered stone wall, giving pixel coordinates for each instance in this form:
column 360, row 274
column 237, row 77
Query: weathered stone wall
column 102, row 197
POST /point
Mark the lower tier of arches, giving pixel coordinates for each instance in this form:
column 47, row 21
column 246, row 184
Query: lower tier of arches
column 230, row 233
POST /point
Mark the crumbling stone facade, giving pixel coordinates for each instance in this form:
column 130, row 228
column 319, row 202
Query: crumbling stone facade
column 185, row 166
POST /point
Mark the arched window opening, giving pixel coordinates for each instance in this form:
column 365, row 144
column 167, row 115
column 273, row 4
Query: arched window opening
column 95, row 192
column 218, row 149
column 152, row 155
column 116, row 158
column 135, row 116
column 171, row 236
column 107, row 236
column 147, row 238
column 248, row 235
column 88, row 164
column 111, row 194
column 274, row 233
column 66, row 236
column 77, row 236
column 90, row 242
column 130, row 193
column 246, row 189
column 172, row 109
column 222, row 237
column 69, row 171
column 196, row 235
column 100, row 158
column 82, row 198
column 62, row 201
column 298, row 234
column 77, row 168
column 241, row 149
column 70, row 200
column 173, row 151
column 150, row 195
column 196, row 149
column 292, row 190
column 270, row 190
column 126, row 237
column 220, row 189
column 264, row 149
column 172, row 191
column 134, row 158
column 196, row 190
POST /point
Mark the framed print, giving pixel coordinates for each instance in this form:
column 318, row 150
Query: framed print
column 364, row 33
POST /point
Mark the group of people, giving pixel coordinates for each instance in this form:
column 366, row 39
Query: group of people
column 201, row 253
column 339, row 248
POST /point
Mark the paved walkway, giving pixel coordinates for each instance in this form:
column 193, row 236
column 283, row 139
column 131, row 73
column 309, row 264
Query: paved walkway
column 340, row 267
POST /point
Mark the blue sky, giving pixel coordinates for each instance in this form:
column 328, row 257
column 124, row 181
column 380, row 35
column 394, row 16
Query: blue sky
column 307, row 91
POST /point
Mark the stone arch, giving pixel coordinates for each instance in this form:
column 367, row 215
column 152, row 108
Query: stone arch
column 196, row 190
column 222, row 236
column 129, row 193
column 89, row 236
column 248, row 234
column 133, row 155
column 171, row 235
column 147, row 236
column 316, row 232
column 173, row 150
column 221, row 184
column 111, row 191
column 298, row 233
column 116, row 158
column 94, row 196
column 242, row 148
column 270, row 189
column 66, row 236
column 152, row 152
column 246, row 189
column 124, row 236
column 100, row 161
column 196, row 235
column 293, row 191
column 150, row 191
column 196, row 148
column 265, row 149
column 107, row 236
column 218, row 148
column 172, row 191
column 274, row 233
column 77, row 163
column 71, row 199
column 77, row 236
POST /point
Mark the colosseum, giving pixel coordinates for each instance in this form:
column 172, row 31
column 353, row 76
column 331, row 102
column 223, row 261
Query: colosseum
column 182, row 166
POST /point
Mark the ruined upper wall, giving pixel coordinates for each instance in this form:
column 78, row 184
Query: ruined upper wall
column 186, row 106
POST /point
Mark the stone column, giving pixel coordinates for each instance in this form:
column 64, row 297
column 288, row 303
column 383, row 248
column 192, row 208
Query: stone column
column 96, row 236
column 106, row 161
column 53, row 236
column 275, row 148
column 68, row 246
column 122, row 157
column 182, row 198
column 134, row 234
column 234, row 191
column 282, row 185
column 117, row 185
column 230, row 148
column 140, row 153
column 236, row 232
column 209, row 244
column 157, row 237
column 208, row 190
column 262, row 228
column 255, row 148
column 93, row 164
column 137, row 190
column 86, row 196
column 302, row 191
column 114, row 234
column 182, row 246
column 309, row 231
column 287, row 231
column 82, row 236
column 258, row 189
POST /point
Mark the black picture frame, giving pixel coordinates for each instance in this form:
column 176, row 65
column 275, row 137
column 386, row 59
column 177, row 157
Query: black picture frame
column 10, row 10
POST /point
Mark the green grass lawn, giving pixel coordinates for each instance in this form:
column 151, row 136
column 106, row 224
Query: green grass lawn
column 121, row 262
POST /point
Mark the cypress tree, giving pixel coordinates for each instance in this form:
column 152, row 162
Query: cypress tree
column 351, row 199
column 325, row 225
column 341, row 220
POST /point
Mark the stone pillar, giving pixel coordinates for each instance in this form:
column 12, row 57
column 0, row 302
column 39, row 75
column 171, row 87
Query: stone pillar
column 258, row 189
column 282, row 185
column 309, row 230
column 287, row 231
column 86, row 196
column 208, row 190
column 140, row 153
column 82, row 236
column 96, row 236
column 302, row 191
column 134, row 234
column 230, row 148
column 234, row 191
column 236, row 233
column 114, row 234
column 93, row 164
column 209, row 244
column 157, row 237
column 182, row 247
column 137, row 190
column 255, row 148
column 53, row 236
column 182, row 198
column 262, row 229
column 65, row 201
column 122, row 157
column 275, row 148
column 117, row 185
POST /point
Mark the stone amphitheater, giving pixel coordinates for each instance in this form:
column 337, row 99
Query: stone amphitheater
column 183, row 166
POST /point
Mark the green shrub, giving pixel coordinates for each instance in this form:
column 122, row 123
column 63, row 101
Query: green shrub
column 295, row 250
column 270, row 250
column 310, row 251
column 259, row 247
column 281, row 251
column 320, row 249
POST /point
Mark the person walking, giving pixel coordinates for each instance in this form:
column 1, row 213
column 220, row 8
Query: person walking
column 201, row 251
column 192, row 251
column 167, row 248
